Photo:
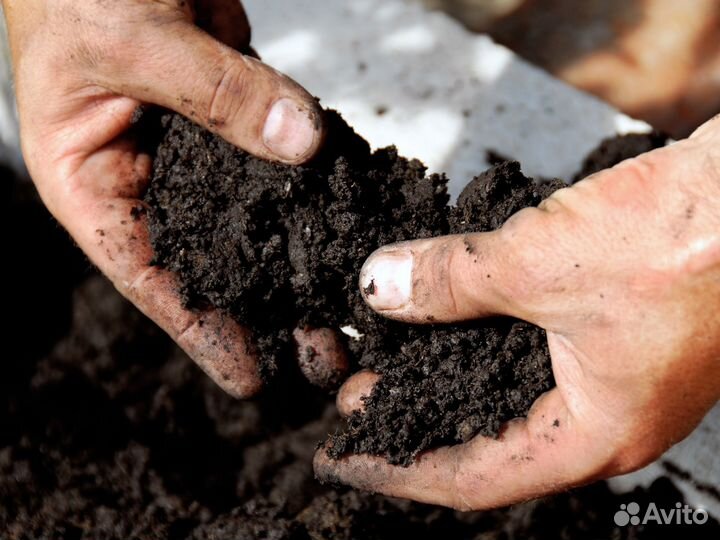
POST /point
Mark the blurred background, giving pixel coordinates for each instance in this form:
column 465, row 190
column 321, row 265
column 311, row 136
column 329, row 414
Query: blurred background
column 656, row 60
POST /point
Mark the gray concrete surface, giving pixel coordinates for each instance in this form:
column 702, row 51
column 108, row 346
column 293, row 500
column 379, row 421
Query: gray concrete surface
column 446, row 96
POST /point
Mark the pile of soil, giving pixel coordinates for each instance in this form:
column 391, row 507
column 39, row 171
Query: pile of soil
column 279, row 246
column 107, row 430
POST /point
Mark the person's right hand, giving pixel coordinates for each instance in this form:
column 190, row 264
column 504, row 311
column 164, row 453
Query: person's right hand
column 623, row 272
column 82, row 68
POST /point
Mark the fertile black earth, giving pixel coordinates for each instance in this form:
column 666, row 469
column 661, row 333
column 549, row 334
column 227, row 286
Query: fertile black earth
column 107, row 430
column 279, row 246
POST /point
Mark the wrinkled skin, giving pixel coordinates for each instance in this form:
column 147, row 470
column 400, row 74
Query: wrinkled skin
column 81, row 70
column 623, row 271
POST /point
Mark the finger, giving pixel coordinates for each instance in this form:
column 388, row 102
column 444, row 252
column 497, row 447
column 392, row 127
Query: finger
column 97, row 207
column 321, row 356
column 448, row 278
column 549, row 451
column 351, row 396
column 246, row 102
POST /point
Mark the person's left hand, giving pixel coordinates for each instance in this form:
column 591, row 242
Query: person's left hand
column 81, row 70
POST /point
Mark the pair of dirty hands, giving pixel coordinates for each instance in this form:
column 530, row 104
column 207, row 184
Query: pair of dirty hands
column 622, row 270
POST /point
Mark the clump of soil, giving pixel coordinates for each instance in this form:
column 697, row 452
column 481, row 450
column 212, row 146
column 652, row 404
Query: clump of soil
column 613, row 150
column 446, row 384
column 107, row 430
column 279, row 246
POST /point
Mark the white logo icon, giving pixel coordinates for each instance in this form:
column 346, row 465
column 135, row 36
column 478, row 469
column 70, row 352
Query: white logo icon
column 629, row 514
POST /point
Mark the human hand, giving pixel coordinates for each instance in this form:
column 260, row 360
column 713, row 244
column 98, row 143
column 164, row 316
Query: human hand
column 623, row 272
column 81, row 71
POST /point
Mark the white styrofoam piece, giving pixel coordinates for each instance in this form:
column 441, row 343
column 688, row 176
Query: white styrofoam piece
column 446, row 97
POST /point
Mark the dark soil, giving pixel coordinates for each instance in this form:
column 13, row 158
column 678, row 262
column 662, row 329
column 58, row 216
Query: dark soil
column 446, row 384
column 280, row 246
column 107, row 430
column 613, row 150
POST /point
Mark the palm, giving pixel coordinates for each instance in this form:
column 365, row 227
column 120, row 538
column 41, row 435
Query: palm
column 99, row 201
column 81, row 71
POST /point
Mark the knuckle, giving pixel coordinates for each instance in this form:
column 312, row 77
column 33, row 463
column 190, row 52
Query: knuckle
column 556, row 202
column 636, row 175
column 229, row 93
column 433, row 278
column 466, row 487
column 467, row 483
column 523, row 256
column 447, row 268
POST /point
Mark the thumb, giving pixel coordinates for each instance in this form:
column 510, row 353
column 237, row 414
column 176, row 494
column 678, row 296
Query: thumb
column 238, row 97
column 457, row 277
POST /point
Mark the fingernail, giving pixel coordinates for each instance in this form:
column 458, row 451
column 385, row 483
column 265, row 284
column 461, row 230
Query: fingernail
column 386, row 279
column 289, row 130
